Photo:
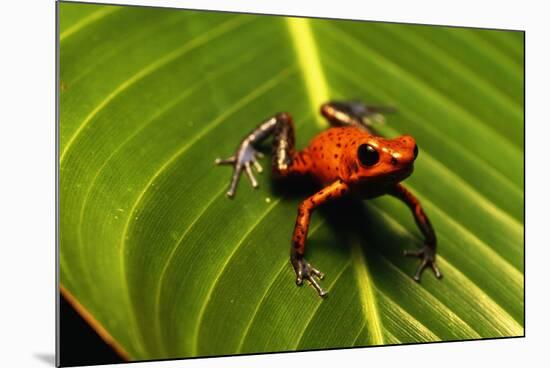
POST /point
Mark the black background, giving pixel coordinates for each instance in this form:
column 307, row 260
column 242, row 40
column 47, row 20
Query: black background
column 79, row 343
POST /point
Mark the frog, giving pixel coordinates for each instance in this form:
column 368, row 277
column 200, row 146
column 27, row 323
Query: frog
column 347, row 159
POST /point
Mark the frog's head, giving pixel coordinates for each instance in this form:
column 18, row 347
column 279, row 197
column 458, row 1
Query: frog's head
column 381, row 161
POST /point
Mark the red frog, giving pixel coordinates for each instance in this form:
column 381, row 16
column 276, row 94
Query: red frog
column 346, row 159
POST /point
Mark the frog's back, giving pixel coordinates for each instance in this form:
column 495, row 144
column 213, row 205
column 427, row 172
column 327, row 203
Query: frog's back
column 327, row 149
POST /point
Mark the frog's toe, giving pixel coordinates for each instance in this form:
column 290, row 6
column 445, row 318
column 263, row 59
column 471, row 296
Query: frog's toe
column 413, row 252
column 245, row 158
column 234, row 181
column 250, row 175
column 427, row 256
column 322, row 293
column 435, row 270
column 228, row 161
column 304, row 271
column 257, row 165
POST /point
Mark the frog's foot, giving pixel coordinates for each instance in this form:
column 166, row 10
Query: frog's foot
column 427, row 256
column 246, row 157
column 304, row 271
column 368, row 115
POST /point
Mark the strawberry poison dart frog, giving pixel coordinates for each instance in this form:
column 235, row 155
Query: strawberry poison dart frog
column 346, row 159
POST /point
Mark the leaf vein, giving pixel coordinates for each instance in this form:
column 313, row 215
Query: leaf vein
column 264, row 295
column 163, row 110
column 319, row 302
column 150, row 68
column 367, row 293
column 239, row 104
column 503, row 319
column 427, row 90
column 439, row 135
column 217, row 278
column 86, row 21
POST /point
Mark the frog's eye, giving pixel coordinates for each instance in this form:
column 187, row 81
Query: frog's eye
column 415, row 152
column 368, row 156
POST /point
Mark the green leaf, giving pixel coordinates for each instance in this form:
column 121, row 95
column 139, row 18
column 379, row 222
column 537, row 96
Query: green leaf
column 166, row 266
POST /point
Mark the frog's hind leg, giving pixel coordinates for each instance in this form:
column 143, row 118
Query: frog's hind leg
column 354, row 113
column 285, row 159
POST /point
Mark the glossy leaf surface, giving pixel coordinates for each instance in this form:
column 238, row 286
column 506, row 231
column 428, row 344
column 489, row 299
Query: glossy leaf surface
column 170, row 267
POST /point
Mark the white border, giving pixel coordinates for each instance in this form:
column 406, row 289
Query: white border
column 27, row 181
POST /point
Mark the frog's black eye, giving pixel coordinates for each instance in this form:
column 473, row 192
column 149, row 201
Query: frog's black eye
column 415, row 152
column 368, row 156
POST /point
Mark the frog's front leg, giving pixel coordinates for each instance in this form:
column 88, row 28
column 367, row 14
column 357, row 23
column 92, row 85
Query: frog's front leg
column 428, row 252
column 304, row 271
column 281, row 127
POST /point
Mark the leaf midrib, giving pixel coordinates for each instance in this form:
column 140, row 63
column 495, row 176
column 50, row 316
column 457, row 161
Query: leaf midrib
column 250, row 230
column 317, row 89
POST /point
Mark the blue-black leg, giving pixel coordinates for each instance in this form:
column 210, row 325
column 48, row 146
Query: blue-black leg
column 354, row 113
column 281, row 127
